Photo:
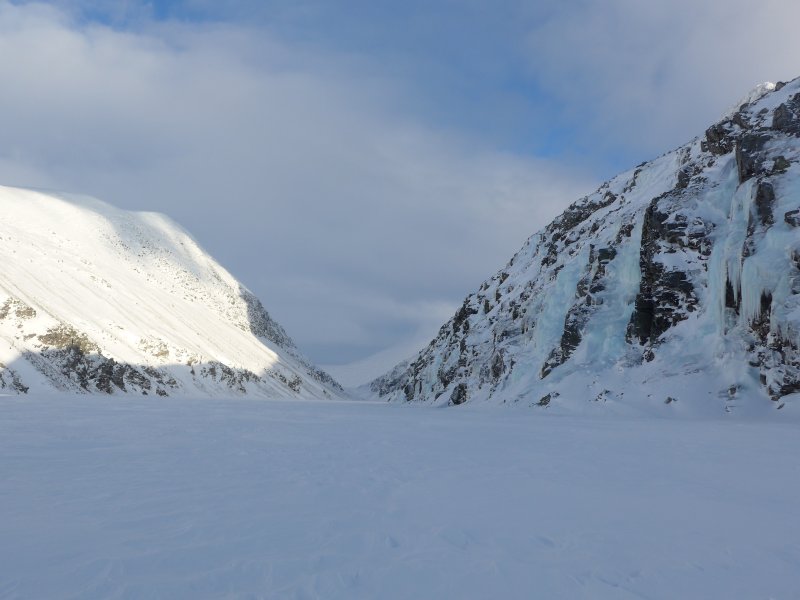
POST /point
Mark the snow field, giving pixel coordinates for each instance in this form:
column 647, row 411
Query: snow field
column 177, row 498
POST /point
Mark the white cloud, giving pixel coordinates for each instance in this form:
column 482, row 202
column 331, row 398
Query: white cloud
column 648, row 76
column 288, row 165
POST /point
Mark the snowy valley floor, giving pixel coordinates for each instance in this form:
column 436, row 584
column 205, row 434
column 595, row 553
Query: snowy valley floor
column 120, row 498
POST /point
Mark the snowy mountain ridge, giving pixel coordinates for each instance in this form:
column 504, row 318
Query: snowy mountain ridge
column 96, row 299
column 675, row 284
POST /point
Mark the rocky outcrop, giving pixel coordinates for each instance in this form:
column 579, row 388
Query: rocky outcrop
column 786, row 117
column 666, row 295
column 263, row 326
column 10, row 381
column 792, row 217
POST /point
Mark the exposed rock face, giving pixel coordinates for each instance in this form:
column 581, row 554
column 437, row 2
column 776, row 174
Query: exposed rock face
column 792, row 217
column 98, row 300
column 683, row 273
column 666, row 296
column 785, row 118
column 266, row 328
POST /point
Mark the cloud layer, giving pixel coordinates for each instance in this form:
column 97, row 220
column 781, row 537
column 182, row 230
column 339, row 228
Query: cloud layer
column 639, row 78
column 357, row 225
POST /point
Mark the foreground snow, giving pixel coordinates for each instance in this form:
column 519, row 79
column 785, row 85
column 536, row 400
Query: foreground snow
column 175, row 498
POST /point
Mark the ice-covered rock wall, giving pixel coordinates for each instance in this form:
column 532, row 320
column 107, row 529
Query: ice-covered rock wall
column 676, row 282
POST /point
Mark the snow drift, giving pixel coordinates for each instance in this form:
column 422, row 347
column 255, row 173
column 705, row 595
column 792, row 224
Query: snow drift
column 675, row 284
column 96, row 299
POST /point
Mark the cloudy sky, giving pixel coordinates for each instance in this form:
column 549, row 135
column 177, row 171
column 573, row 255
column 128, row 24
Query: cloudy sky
column 362, row 165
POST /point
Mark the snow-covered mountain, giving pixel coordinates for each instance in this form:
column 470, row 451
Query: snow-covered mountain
column 96, row 299
column 674, row 285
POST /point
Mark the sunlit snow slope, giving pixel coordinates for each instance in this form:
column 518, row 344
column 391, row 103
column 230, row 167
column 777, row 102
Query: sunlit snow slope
column 96, row 299
column 674, row 287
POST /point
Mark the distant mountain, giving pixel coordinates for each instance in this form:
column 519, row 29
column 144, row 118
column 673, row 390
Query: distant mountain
column 675, row 284
column 100, row 300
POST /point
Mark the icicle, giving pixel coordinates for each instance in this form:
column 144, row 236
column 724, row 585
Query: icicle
column 755, row 283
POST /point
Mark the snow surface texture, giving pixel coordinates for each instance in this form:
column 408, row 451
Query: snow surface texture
column 199, row 498
column 675, row 287
column 96, row 299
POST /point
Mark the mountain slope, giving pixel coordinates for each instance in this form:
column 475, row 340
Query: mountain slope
column 676, row 281
column 96, row 299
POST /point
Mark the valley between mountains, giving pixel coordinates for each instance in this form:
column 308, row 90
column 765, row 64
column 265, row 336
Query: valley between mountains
column 674, row 288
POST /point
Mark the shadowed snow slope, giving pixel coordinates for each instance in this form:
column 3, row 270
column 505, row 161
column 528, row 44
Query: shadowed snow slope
column 96, row 299
column 675, row 286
